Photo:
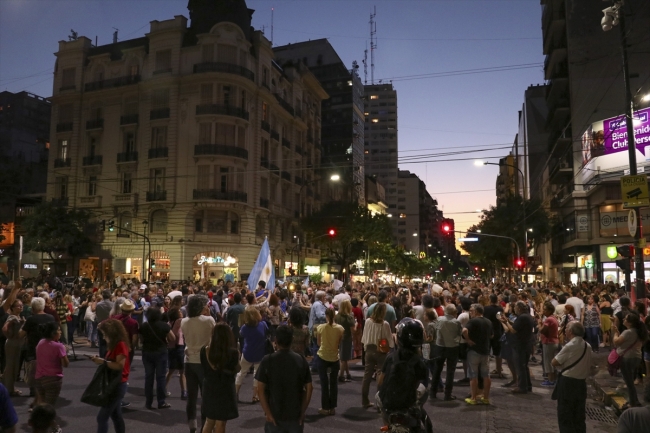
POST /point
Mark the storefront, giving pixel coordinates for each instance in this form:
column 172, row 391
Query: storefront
column 160, row 266
column 586, row 269
column 215, row 265
column 611, row 272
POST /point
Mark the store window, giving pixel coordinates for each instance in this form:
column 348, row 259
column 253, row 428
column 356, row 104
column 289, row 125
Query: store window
column 158, row 222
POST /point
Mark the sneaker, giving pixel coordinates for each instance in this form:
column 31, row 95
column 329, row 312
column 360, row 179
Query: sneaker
column 471, row 401
column 125, row 404
column 323, row 411
column 485, row 400
column 168, row 394
column 508, row 384
column 548, row 383
column 184, row 395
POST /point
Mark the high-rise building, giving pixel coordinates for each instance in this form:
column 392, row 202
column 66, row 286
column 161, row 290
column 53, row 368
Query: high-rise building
column 342, row 128
column 506, row 185
column 193, row 136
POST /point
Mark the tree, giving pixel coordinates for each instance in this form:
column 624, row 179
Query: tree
column 356, row 231
column 54, row 229
column 508, row 220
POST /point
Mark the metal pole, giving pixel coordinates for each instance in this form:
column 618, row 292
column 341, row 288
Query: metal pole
column 631, row 149
column 142, row 273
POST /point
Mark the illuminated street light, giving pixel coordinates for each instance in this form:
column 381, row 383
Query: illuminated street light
column 335, row 177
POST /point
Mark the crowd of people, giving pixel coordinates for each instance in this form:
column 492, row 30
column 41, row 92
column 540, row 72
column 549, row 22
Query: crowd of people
column 212, row 335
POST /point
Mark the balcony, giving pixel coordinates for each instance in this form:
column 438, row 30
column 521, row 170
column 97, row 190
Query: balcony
column 127, row 157
column 61, row 201
column 310, row 138
column 284, row 104
column 215, row 194
column 112, row 83
column 123, row 199
column 299, row 150
column 220, row 149
column 274, row 169
column 317, row 197
column 310, row 192
column 95, row 124
column 92, row 160
column 90, row 201
column 62, row 162
column 158, row 152
column 298, row 180
column 286, row 143
column 264, row 202
column 299, row 113
column 156, row 195
column 227, row 68
column 65, row 88
column 162, row 71
column 225, row 110
column 275, row 135
column 64, row 127
column 159, row 113
column 266, row 126
column 286, row 175
column 264, row 162
column 129, row 119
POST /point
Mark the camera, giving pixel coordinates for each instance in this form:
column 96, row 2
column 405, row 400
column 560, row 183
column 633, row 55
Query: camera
column 610, row 19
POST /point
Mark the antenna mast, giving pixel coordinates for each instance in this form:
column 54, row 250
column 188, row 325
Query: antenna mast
column 365, row 65
column 373, row 44
column 272, row 12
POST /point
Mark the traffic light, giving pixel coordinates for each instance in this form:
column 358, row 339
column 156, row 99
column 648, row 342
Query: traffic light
column 448, row 227
column 292, row 272
column 153, row 263
column 520, row 263
column 102, row 225
column 625, row 250
column 625, row 264
column 111, row 226
column 331, row 233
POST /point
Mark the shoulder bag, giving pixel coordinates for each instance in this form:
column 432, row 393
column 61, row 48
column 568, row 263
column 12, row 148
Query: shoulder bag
column 103, row 387
column 614, row 360
column 554, row 396
column 382, row 343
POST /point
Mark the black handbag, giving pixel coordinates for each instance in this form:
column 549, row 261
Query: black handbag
column 103, row 387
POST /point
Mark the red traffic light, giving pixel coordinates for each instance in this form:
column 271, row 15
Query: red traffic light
column 446, row 227
column 331, row 232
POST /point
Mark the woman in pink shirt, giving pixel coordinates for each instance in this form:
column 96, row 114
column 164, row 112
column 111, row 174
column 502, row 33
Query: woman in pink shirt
column 51, row 357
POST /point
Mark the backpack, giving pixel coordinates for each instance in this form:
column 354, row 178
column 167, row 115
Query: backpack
column 214, row 310
column 398, row 390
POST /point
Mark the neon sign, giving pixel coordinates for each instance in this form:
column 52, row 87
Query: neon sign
column 213, row 260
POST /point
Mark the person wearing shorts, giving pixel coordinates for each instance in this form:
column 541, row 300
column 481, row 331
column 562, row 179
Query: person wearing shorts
column 548, row 330
column 478, row 334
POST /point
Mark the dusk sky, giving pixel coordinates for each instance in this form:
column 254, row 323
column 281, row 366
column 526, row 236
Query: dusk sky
column 466, row 110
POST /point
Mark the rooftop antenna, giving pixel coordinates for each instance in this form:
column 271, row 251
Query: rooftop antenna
column 73, row 35
column 373, row 44
column 272, row 13
column 365, row 65
column 115, row 35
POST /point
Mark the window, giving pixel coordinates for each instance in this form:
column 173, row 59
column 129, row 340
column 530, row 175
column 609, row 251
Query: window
column 226, row 95
column 92, row 186
column 99, row 73
column 227, row 53
column 206, row 94
column 62, row 187
column 158, row 137
column 272, row 229
column 205, row 133
column 159, row 98
column 157, row 180
column 126, row 222
column 241, row 136
column 129, row 141
column 93, row 146
column 207, row 53
column 234, row 223
column 198, row 225
column 259, row 226
column 203, row 176
column 225, row 134
column 158, row 222
column 134, row 70
column 66, row 113
column 163, row 61
column 265, row 76
column 242, row 102
column 265, row 112
column 217, row 222
column 63, row 149
column 68, row 78
column 221, row 179
column 264, row 187
column 131, row 107
column 127, row 183
column 265, row 148
column 374, row 96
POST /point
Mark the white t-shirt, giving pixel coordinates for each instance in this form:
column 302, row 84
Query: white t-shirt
column 463, row 318
column 197, row 332
column 340, row 298
column 577, row 304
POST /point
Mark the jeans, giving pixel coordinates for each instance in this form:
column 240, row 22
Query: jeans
column 450, row 356
column 571, row 401
column 103, row 348
column 114, row 412
column 283, row 427
column 155, row 365
column 91, row 331
column 592, row 338
column 314, row 350
column 194, row 378
column 628, row 370
column 328, row 382
column 374, row 360
column 520, row 356
column 72, row 327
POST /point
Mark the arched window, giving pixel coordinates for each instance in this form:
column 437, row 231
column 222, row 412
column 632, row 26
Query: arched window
column 126, row 222
column 259, row 226
column 99, row 73
column 158, row 223
column 216, row 222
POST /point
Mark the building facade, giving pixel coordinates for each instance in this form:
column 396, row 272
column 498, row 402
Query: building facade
column 192, row 136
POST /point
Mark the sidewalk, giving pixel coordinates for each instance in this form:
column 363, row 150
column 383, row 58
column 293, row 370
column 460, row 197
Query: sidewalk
column 611, row 389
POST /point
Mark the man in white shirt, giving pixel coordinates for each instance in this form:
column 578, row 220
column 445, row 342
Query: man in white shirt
column 571, row 389
column 578, row 305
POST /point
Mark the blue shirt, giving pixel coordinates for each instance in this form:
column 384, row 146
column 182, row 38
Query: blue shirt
column 316, row 314
column 8, row 417
column 254, row 341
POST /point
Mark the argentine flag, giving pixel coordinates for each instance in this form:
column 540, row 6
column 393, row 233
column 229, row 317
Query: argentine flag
column 263, row 269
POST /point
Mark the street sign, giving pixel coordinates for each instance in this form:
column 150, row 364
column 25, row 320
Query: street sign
column 634, row 190
column 631, row 222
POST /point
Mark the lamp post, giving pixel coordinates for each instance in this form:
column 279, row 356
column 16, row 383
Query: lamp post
column 523, row 208
column 614, row 15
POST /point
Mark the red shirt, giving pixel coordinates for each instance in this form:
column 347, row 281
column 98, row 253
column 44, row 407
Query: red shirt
column 357, row 312
column 440, row 311
column 550, row 331
column 129, row 323
column 112, row 355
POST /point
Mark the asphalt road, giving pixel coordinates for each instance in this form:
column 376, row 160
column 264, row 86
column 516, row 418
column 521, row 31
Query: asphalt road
column 532, row 412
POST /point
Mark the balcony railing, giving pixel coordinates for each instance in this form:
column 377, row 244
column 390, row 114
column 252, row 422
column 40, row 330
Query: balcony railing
column 274, row 169
column 299, row 113
column 159, row 113
column 158, row 152
column 266, row 126
column 220, row 149
column 286, row 175
column 215, row 194
column 95, row 124
column 156, row 195
column 127, row 157
column 64, row 127
column 64, row 88
column 226, row 110
column 92, row 160
column 286, row 143
column 299, row 150
column 228, row 68
column 297, row 180
column 284, row 104
column 111, row 83
column 275, row 135
column 129, row 119
column 62, row 162
column 264, row 202
column 310, row 192
column 264, row 162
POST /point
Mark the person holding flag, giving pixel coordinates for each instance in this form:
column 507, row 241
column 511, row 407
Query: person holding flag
column 263, row 271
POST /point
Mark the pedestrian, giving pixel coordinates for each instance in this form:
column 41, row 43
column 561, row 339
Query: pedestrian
column 8, row 416
column 329, row 336
column 375, row 330
column 176, row 351
column 233, row 317
column 31, row 330
column 448, row 335
column 478, row 334
column 13, row 346
column 300, row 340
column 117, row 358
column 628, row 346
column 522, row 328
column 357, row 312
column 316, row 318
column 592, row 322
column 548, row 330
column 254, row 333
column 155, row 335
column 197, row 332
column 51, row 358
column 491, row 312
column 102, row 312
column 346, row 320
column 220, row 363
column 285, row 386
column 571, row 389
column 90, row 318
column 42, row 419
column 63, row 312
